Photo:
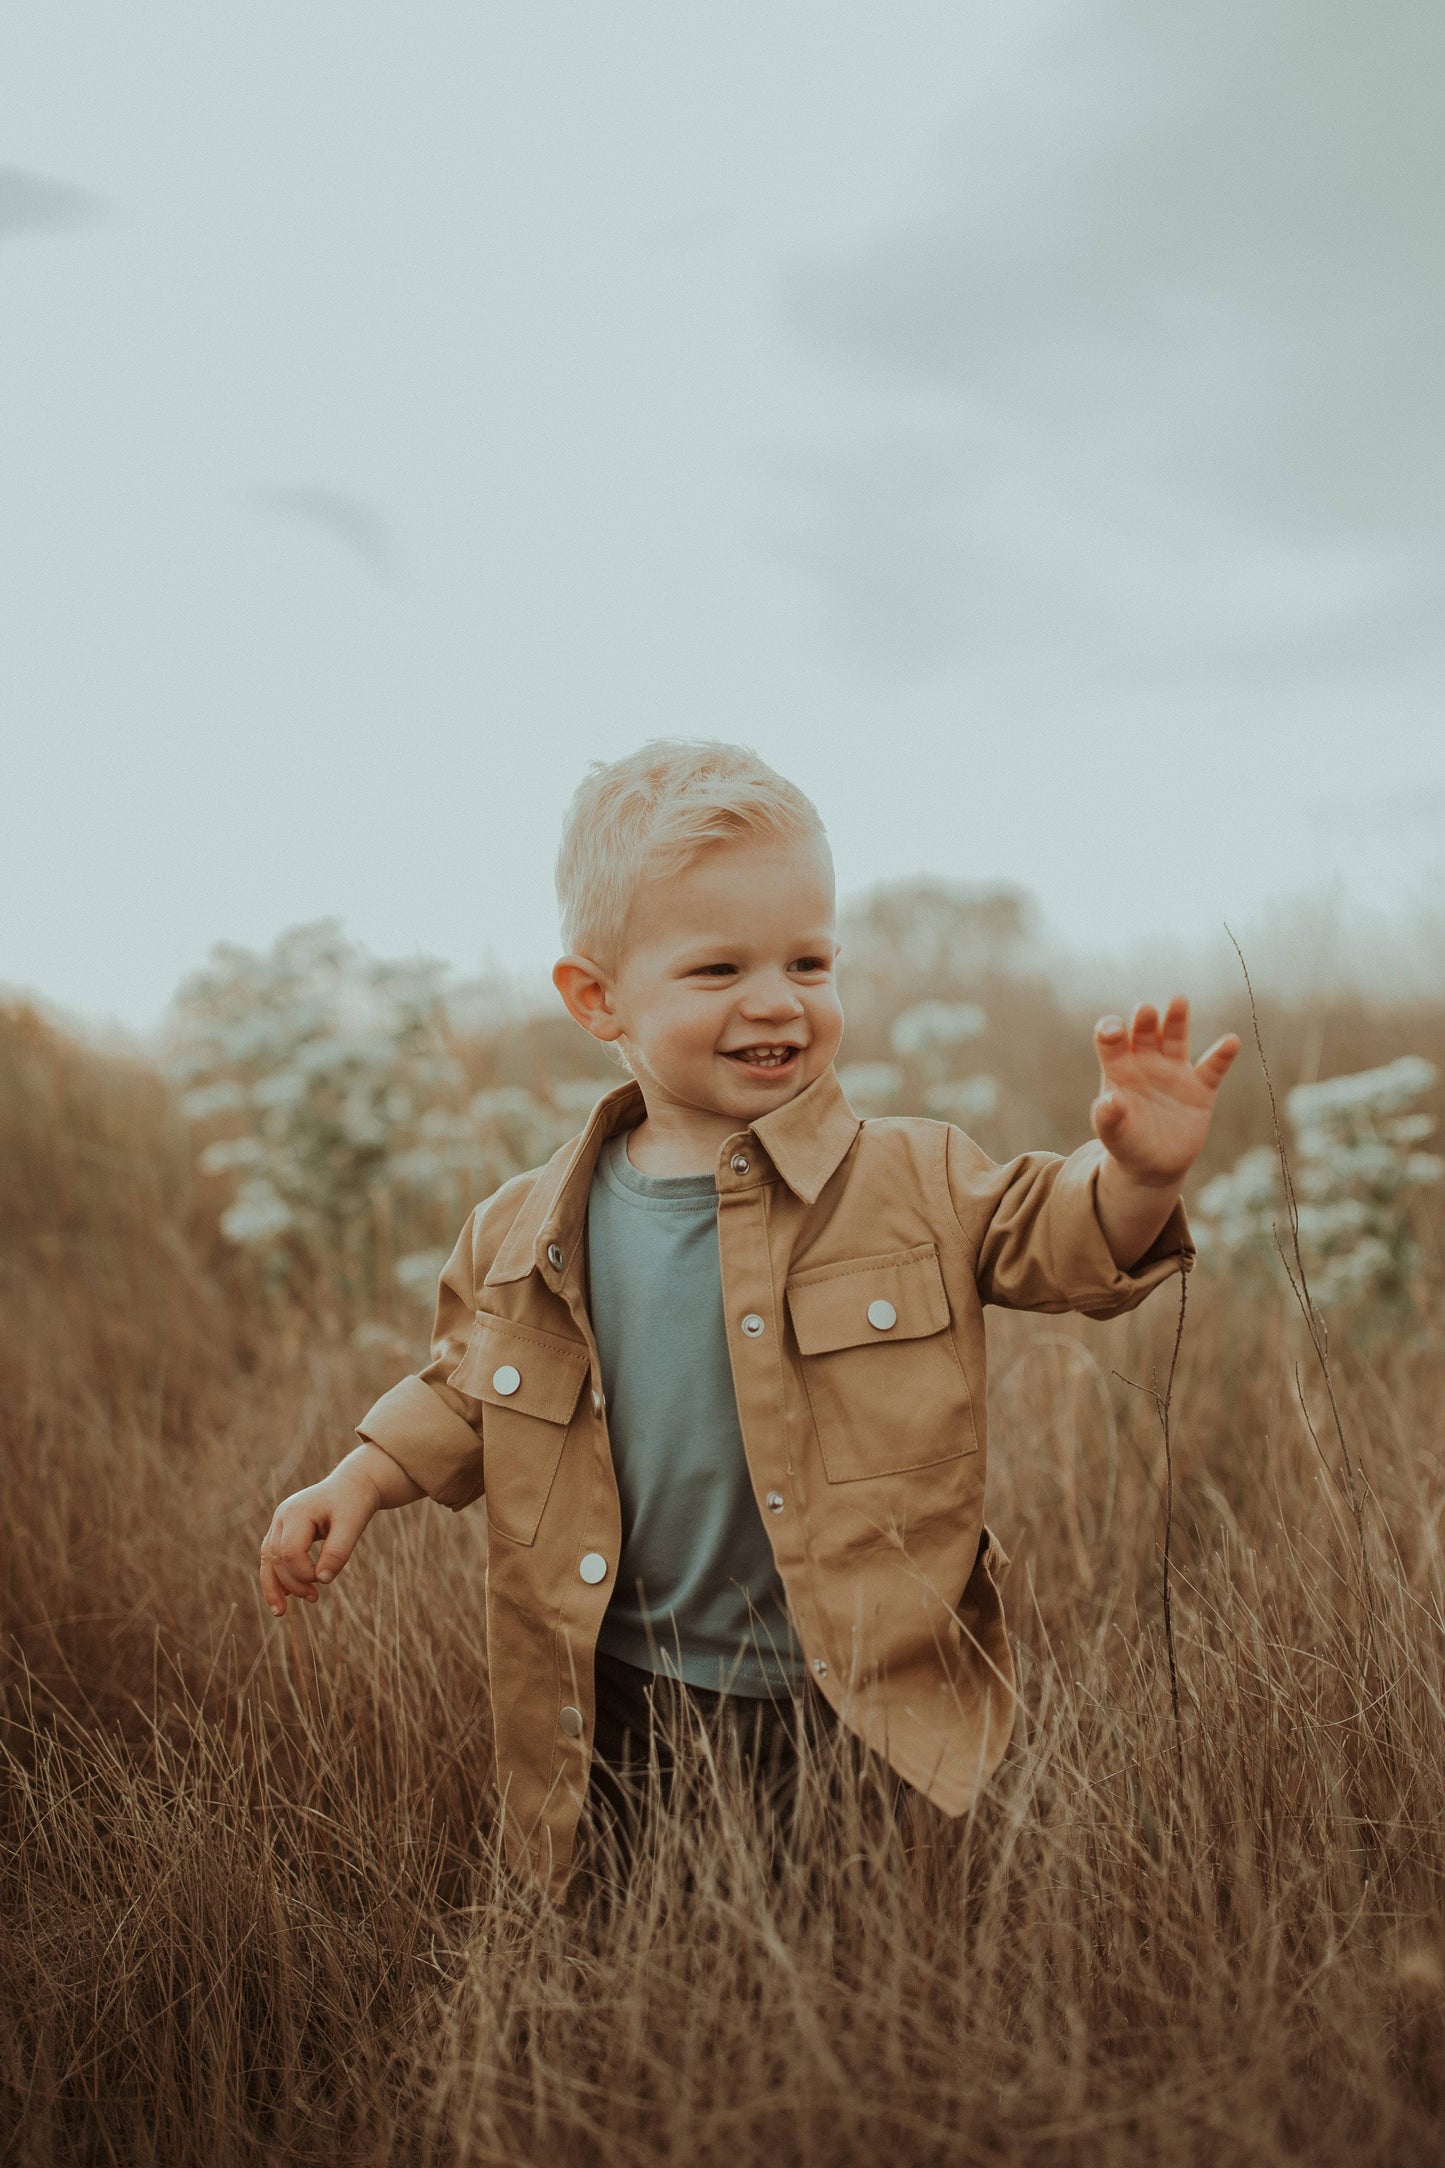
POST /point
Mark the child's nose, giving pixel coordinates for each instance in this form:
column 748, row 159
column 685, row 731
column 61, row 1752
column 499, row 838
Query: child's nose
column 772, row 997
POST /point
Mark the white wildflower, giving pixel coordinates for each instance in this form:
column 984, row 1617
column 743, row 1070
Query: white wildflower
column 964, row 1099
column 420, row 1168
column 419, row 1272
column 1388, row 1090
column 229, row 1153
column 1354, row 1272
column 199, row 1058
column 507, row 1102
column 257, row 1216
column 1251, row 1185
column 1367, row 1163
column 361, row 1123
column 225, row 1096
column 283, row 1088
column 931, row 1025
column 517, row 1121
column 1322, row 1224
column 317, row 1056
column 870, row 1087
column 1352, row 1169
column 1410, row 1128
column 252, row 1038
column 438, row 1069
column 578, row 1095
column 440, row 1126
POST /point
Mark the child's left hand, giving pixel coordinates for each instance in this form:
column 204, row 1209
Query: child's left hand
column 1154, row 1105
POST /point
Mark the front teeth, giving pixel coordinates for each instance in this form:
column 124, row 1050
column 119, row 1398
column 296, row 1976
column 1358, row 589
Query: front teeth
column 774, row 1060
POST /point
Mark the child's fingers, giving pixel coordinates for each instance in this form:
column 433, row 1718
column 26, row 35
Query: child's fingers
column 1111, row 1037
column 341, row 1540
column 1212, row 1067
column 1144, row 1029
column 1174, row 1031
column 297, row 1580
column 278, row 1582
column 287, row 1550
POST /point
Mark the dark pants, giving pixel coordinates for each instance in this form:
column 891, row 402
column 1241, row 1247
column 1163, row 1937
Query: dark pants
column 654, row 1733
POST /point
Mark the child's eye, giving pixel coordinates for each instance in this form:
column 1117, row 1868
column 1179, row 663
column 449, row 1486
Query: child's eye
column 713, row 971
column 811, row 963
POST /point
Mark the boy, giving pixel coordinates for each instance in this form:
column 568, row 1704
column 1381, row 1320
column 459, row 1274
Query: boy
column 718, row 1367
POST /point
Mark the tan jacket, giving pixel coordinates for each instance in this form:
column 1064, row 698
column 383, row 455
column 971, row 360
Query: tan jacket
column 856, row 1260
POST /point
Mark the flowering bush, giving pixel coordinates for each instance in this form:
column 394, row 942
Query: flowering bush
column 926, row 1038
column 347, row 1125
column 1355, row 1164
column 931, row 1030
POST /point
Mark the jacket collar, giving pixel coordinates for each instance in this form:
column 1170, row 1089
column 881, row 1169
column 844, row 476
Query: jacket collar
column 556, row 1205
column 807, row 1141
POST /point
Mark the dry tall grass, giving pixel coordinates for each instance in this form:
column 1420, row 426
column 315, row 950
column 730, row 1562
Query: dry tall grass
column 251, row 1909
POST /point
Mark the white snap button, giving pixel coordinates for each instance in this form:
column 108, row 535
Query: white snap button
column 506, row 1380
column 752, row 1324
column 593, row 1567
column 739, row 1163
column 596, row 1401
column 554, row 1257
column 571, row 1722
column 882, row 1314
column 775, row 1501
column 820, row 1666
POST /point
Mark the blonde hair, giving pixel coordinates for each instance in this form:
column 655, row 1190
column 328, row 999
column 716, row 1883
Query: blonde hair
column 650, row 815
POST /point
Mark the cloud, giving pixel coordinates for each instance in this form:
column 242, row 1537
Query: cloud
column 357, row 525
column 31, row 204
column 1156, row 368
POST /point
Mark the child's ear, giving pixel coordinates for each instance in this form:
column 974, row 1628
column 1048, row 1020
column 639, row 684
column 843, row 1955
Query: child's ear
column 587, row 995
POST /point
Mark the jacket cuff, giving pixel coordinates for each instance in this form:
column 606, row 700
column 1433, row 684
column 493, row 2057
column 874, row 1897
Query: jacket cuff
column 1105, row 1288
column 437, row 1447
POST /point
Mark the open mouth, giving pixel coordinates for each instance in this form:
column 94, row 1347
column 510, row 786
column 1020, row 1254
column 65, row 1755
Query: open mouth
column 769, row 1060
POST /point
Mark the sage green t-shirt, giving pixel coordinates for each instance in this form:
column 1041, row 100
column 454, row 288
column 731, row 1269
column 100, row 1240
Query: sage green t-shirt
column 697, row 1593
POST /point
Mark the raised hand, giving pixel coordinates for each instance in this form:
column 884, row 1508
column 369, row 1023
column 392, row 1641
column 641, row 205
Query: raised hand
column 1154, row 1105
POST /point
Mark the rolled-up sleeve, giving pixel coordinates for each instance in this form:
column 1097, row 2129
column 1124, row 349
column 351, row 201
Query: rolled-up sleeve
column 1033, row 1225
column 427, row 1428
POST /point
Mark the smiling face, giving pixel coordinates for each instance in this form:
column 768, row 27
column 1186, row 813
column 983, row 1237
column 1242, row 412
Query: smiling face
column 724, row 999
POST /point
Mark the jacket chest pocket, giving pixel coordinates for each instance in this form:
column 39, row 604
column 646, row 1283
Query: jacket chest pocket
column 527, row 1382
column 883, row 1376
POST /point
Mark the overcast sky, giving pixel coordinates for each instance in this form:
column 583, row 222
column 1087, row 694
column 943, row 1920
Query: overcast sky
column 1021, row 422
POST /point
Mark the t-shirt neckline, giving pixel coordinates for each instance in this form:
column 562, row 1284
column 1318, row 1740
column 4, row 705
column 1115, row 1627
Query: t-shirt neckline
column 617, row 1170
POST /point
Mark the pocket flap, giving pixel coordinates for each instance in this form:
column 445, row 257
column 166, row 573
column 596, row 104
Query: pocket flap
column 897, row 1296
column 541, row 1373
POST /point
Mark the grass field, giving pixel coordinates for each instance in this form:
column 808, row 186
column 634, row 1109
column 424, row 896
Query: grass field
column 251, row 1909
